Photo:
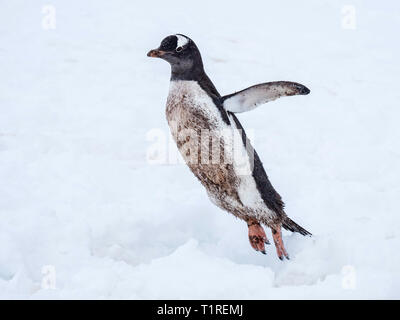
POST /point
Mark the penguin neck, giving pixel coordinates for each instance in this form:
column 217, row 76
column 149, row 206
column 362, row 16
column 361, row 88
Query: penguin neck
column 198, row 75
column 189, row 71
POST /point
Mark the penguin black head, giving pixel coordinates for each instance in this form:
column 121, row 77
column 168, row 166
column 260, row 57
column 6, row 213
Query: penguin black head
column 182, row 54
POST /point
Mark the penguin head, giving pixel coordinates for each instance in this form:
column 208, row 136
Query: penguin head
column 180, row 51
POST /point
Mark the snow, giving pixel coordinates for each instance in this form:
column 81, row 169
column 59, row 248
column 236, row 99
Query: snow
column 84, row 211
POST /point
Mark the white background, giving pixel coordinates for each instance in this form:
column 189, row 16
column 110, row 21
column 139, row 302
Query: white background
column 78, row 194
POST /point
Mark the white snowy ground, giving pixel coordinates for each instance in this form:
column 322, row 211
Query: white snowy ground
column 78, row 194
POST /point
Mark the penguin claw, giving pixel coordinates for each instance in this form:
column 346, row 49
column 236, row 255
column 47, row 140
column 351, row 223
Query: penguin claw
column 263, row 252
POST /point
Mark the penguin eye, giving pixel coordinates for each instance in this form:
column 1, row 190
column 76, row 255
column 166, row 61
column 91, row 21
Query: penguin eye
column 179, row 49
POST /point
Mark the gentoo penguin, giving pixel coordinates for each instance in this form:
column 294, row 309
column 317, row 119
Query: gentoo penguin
column 205, row 128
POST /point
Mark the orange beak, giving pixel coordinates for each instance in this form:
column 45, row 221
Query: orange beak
column 155, row 53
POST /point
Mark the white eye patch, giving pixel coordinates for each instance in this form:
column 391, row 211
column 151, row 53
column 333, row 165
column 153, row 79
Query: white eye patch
column 181, row 40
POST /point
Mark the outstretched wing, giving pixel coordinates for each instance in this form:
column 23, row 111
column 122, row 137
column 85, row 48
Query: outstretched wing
column 250, row 98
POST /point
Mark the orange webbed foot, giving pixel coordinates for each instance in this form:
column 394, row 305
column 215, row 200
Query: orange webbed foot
column 280, row 248
column 257, row 236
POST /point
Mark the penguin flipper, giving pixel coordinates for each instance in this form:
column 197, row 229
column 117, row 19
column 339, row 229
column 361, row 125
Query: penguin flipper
column 249, row 98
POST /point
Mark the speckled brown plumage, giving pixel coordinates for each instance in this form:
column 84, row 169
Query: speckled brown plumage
column 188, row 119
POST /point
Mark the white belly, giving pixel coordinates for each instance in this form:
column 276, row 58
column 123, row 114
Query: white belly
column 186, row 98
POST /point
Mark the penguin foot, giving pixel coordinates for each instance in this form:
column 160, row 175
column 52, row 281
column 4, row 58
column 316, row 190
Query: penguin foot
column 257, row 236
column 280, row 248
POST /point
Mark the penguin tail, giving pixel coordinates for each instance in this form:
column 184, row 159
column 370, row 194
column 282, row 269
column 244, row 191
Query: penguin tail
column 290, row 225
